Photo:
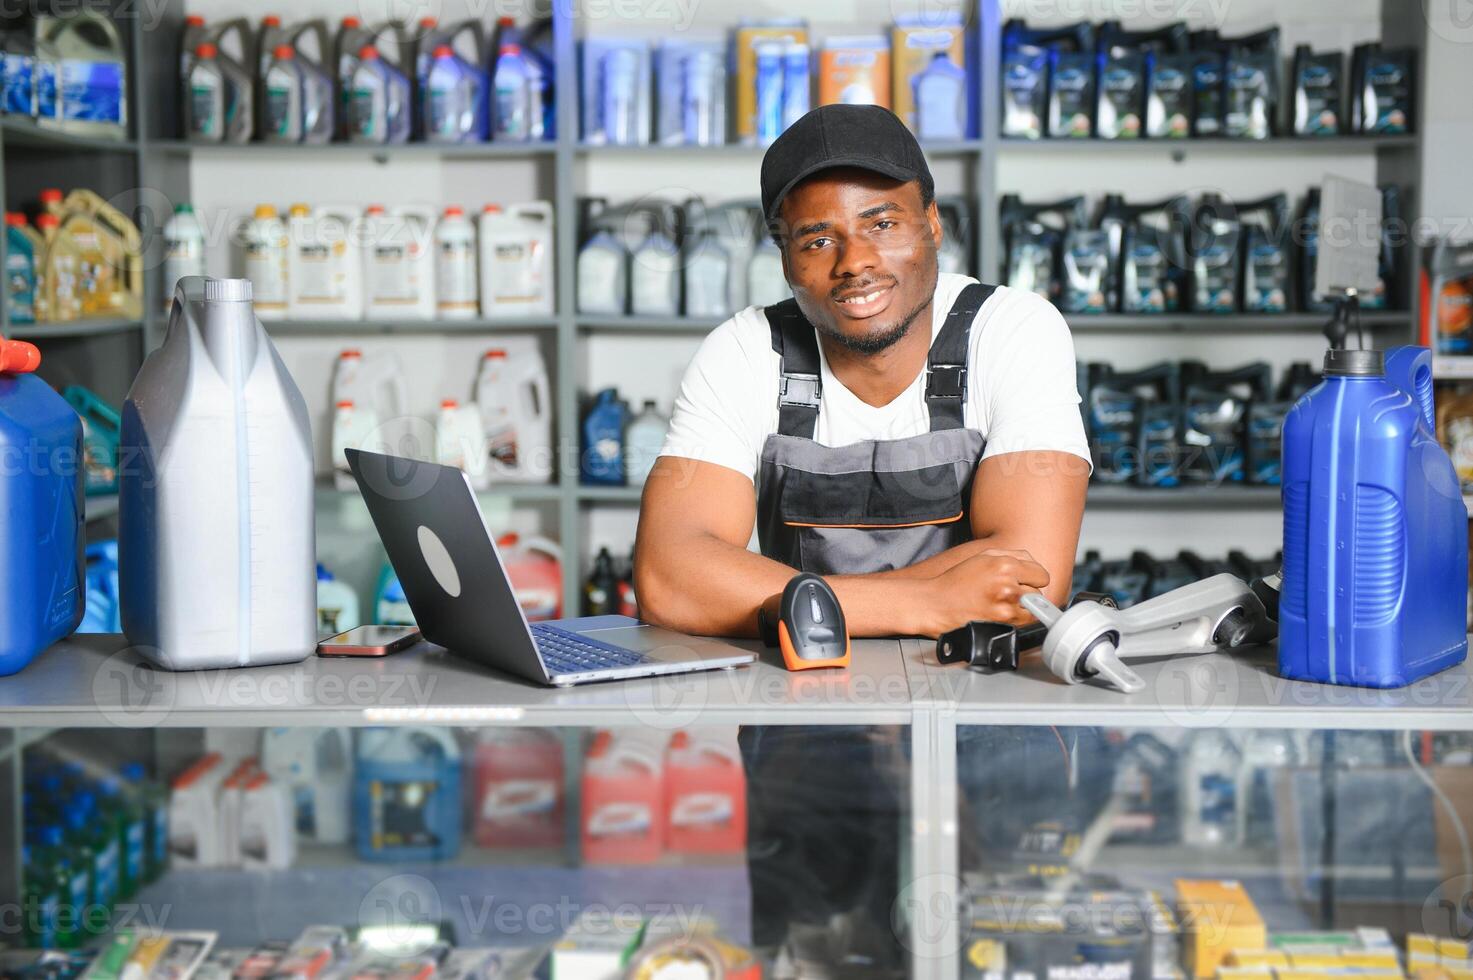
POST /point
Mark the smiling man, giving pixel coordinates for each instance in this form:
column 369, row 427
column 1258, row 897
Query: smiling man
column 913, row 437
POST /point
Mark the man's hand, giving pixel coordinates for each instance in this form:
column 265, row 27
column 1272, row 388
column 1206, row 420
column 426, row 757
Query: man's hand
column 985, row 586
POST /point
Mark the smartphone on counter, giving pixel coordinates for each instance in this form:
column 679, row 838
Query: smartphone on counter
column 369, row 641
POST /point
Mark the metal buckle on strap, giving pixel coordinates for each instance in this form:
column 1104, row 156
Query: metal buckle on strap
column 799, row 389
column 946, row 381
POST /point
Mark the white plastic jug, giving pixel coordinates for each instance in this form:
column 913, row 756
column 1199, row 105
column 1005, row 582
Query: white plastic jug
column 374, row 382
column 516, row 260
column 267, row 835
column 266, row 251
column 184, row 248
column 337, row 605
column 315, row 767
column 231, row 792
column 353, row 427
column 707, row 274
column 513, row 396
column 398, row 245
column 216, row 533
column 765, row 282
column 645, row 439
column 460, row 441
column 194, row 814
column 603, row 275
column 455, row 265
column 324, row 263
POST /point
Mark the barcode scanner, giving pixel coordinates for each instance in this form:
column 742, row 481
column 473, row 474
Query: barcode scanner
column 810, row 629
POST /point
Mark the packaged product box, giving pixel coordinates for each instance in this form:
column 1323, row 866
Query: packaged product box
column 855, row 71
column 597, row 946
column 1256, row 959
column 1017, row 928
column 748, row 36
column 1217, row 917
column 914, row 42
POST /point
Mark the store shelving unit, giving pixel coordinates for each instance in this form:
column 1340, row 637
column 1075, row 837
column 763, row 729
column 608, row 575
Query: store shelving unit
column 158, row 160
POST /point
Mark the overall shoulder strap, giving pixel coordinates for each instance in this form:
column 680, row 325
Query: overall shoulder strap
column 799, row 387
column 946, row 365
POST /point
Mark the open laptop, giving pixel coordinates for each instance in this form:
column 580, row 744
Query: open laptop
column 462, row 599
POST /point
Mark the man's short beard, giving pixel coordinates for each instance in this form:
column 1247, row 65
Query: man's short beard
column 875, row 343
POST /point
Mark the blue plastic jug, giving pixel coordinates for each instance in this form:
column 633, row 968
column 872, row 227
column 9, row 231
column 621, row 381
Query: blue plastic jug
column 42, row 588
column 102, row 429
column 603, row 440
column 1375, row 530
column 406, row 795
column 103, row 612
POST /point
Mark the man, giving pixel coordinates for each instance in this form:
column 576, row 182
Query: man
column 913, row 437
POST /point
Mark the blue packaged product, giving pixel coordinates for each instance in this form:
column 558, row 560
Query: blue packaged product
column 406, row 795
column 941, row 100
column 451, row 94
column 1071, row 109
column 621, row 97
column 769, row 92
column 512, row 95
column 18, row 74
column 690, row 86
column 602, row 459
column 42, row 585
column 797, row 83
column 1375, row 564
column 47, row 102
column 616, row 91
column 103, row 612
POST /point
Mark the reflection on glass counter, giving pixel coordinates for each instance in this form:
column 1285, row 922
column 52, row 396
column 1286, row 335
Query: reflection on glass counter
column 416, row 852
column 1114, row 854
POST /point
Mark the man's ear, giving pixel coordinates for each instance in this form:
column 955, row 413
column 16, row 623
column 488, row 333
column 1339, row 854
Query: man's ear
column 933, row 218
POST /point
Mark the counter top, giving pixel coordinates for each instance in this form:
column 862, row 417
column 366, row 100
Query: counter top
column 97, row 680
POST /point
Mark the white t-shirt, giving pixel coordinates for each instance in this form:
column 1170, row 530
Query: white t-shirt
column 1021, row 389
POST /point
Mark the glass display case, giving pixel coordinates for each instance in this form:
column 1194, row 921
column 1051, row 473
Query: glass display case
column 897, row 819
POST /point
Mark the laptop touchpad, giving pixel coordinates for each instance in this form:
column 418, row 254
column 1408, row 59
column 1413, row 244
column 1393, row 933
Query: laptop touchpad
column 662, row 643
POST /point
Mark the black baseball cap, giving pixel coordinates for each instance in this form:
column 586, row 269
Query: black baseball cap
column 865, row 136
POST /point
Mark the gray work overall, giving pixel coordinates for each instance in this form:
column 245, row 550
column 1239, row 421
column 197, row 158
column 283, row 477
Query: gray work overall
column 823, row 805
column 875, row 505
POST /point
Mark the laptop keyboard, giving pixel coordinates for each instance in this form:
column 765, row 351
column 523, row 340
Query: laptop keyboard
column 564, row 652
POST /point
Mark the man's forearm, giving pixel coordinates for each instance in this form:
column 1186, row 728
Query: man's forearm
column 714, row 588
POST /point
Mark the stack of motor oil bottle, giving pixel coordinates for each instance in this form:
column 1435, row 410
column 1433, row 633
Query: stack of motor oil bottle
column 1173, row 424
column 1145, row 576
column 1171, row 256
column 1083, row 80
column 81, row 258
column 384, row 83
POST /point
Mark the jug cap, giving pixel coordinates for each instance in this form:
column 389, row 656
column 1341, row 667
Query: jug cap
column 511, row 49
column 15, row 219
column 491, row 209
column 265, row 210
column 506, row 22
column 449, row 403
column 194, row 20
column 495, row 352
column 444, row 51
column 368, row 53
column 374, row 209
column 351, row 21
column 47, row 220
column 271, row 20
column 18, row 357
column 454, row 211
column 50, row 195
column 1341, row 363
column 206, row 50
column 227, row 290
column 284, row 52
column 344, row 403
column 428, row 22
column 351, row 352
